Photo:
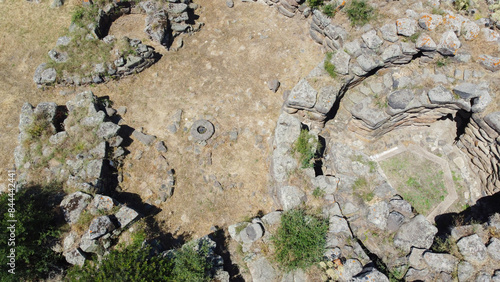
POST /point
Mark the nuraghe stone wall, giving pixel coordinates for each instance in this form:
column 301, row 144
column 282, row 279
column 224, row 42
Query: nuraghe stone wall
column 391, row 96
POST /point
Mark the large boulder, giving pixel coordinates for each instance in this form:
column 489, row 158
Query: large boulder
column 303, row 96
column 418, row 232
column 400, row 99
column 125, row 216
column 440, row 262
column 75, row 257
column 291, row 197
column 473, row 249
column 157, row 27
column 262, row 270
column 100, row 226
column 73, row 206
column 406, row 26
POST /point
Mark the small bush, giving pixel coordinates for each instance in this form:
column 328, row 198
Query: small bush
column 39, row 127
column 329, row 67
column 299, row 240
column 36, row 230
column 461, row 5
column 318, row 193
column 329, row 10
column 441, row 62
column 305, row 148
column 314, row 3
column 134, row 263
column 360, row 12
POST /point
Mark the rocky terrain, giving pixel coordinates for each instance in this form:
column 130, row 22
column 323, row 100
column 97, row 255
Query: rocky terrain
column 390, row 139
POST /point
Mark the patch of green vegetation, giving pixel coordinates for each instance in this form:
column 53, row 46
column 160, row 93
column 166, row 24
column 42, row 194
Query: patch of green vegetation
column 300, row 240
column 318, row 193
column 442, row 62
column 447, row 245
column 306, row 147
column 329, row 67
column 329, row 10
column 134, row 263
column 461, row 5
column 362, row 189
column 418, row 180
column 413, row 38
column 40, row 127
column 36, row 229
column 360, row 12
column 437, row 11
column 314, row 3
column 83, row 15
column 381, row 101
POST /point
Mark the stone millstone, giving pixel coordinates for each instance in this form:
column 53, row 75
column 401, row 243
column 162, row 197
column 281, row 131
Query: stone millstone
column 202, row 130
column 251, row 233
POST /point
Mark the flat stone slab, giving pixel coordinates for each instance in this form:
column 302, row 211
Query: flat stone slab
column 302, row 96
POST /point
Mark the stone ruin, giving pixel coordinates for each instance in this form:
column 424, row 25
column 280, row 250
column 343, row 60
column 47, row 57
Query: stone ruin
column 381, row 91
column 164, row 22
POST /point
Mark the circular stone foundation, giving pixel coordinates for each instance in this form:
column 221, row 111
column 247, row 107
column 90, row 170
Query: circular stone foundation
column 202, row 130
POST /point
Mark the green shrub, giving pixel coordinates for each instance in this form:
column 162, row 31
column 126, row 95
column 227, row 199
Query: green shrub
column 360, row 12
column 314, row 3
column 39, row 127
column 329, row 67
column 461, row 5
column 299, row 240
column 306, row 148
column 134, row 263
column 329, row 10
column 318, row 193
column 35, row 231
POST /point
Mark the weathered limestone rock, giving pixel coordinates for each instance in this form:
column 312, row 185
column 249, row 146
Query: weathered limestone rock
column 291, row 197
column 391, row 53
column 489, row 62
column 389, row 32
column 425, row 43
column 470, row 30
column 465, row 271
column 100, row 226
column 449, row 44
column 341, row 61
column 372, row 40
column 101, row 203
column 418, row 232
column 406, row 26
column 440, row 95
column 75, row 257
column 494, row 249
column 378, row 214
column 261, row 270
column 73, row 205
column 430, row 21
column 466, row 90
column 371, row 275
column 125, row 216
column 144, row 138
column 303, row 96
column 473, row 249
column 400, row 99
column 107, row 130
column 44, row 75
column 440, row 262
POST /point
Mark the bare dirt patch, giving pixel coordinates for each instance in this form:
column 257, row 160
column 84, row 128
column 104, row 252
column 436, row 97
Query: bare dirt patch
column 220, row 74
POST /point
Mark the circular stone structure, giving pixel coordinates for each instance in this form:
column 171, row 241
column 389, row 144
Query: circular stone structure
column 202, row 130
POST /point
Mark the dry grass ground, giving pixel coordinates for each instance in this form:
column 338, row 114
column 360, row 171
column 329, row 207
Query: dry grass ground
column 219, row 74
